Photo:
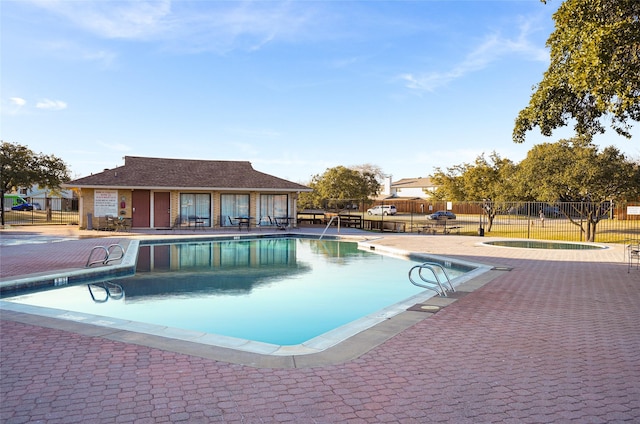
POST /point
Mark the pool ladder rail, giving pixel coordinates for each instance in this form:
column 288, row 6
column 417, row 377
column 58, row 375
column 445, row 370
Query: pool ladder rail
column 113, row 252
column 436, row 284
column 111, row 291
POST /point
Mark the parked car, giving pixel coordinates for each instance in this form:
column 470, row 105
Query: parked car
column 15, row 202
column 23, row 207
column 442, row 215
column 36, row 206
column 382, row 210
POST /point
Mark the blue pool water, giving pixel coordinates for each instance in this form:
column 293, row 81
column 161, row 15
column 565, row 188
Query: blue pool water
column 282, row 291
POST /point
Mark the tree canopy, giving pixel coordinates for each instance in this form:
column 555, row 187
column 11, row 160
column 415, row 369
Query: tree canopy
column 594, row 71
column 22, row 168
column 566, row 171
column 339, row 185
column 576, row 171
column 489, row 181
column 485, row 179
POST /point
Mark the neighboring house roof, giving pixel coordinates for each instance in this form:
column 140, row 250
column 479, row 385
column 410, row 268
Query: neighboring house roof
column 413, row 183
column 407, row 189
column 382, row 197
column 187, row 174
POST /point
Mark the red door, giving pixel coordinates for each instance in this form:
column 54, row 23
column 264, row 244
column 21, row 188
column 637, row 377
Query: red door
column 162, row 257
column 161, row 210
column 140, row 202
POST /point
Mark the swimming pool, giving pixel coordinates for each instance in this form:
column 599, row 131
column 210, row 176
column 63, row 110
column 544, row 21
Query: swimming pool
column 276, row 291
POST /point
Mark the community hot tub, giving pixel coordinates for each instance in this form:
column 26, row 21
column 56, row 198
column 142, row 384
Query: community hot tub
column 540, row 244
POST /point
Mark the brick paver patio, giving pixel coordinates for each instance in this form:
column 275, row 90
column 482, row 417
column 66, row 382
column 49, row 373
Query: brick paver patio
column 556, row 339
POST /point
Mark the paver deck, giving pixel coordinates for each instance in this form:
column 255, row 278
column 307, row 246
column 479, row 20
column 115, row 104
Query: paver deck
column 555, row 339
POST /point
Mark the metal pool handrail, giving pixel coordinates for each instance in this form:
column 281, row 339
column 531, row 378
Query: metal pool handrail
column 108, row 251
column 112, row 291
column 327, row 227
column 436, row 285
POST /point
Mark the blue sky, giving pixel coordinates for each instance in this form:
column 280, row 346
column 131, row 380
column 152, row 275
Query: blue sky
column 295, row 87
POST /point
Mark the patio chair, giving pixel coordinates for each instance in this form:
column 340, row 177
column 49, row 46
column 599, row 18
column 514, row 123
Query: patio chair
column 111, row 223
column 240, row 222
column 265, row 221
column 177, row 223
column 282, row 224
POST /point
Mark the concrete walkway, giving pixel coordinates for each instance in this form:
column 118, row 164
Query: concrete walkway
column 554, row 337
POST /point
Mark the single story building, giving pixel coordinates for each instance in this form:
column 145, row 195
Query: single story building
column 165, row 193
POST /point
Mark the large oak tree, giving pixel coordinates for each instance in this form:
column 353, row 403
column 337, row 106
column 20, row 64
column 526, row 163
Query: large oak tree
column 487, row 180
column 339, row 186
column 576, row 171
column 20, row 167
column 594, row 73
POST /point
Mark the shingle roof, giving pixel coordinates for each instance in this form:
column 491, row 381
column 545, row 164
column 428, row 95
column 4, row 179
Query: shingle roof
column 419, row 182
column 143, row 172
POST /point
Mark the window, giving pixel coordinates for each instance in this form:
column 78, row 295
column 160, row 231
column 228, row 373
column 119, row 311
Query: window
column 195, row 209
column 273, row 205
column 232, row 206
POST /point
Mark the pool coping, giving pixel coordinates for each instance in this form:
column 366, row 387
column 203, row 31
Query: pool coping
column 323, row 350
column 341, row 352
column 124, row 267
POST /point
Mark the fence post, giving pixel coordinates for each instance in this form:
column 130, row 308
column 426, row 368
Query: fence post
column 528, row 220
column 47, row 202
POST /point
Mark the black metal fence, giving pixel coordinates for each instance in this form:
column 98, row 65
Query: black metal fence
column 567, row 221
column 616, row 222
column 46, row 210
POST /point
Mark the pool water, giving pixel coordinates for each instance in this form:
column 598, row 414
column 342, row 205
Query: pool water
column 282, row 291
column 536, row 244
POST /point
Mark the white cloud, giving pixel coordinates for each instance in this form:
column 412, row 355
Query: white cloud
column 491, row 50
column 48, row 104
column 13, row 106
column 122, row 19
column 76, row 49
column 18, row 101
column 210, row 26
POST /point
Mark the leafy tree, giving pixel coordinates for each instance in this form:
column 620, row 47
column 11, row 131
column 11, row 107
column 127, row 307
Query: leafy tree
column 594, row 70
column 487, row 180
column 338, row 186
column 21, row 167
column 575, row 171
column 368, row 168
